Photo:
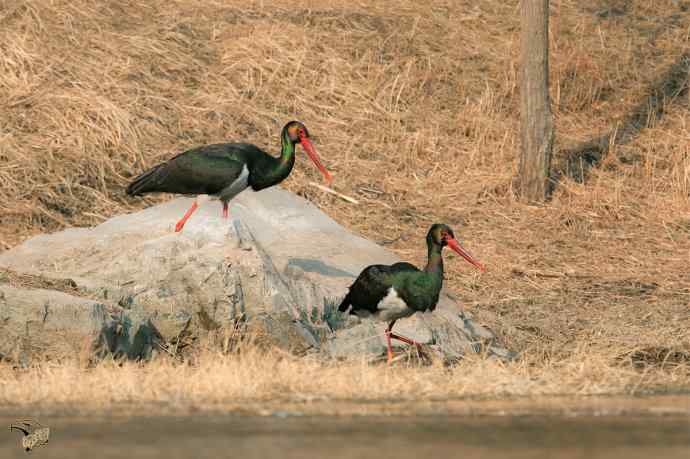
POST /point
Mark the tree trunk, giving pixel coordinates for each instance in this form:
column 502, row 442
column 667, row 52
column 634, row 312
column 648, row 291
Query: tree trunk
column 536, row 128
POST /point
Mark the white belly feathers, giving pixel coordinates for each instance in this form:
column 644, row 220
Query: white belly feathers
column 392, row 307
column 240, row 184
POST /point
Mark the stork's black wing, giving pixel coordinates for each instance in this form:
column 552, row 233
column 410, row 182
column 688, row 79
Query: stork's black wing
column 202, row 170
column 372, row 285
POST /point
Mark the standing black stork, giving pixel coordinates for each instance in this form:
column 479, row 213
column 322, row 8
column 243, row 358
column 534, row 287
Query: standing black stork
column 391, row 292
column 224, row 170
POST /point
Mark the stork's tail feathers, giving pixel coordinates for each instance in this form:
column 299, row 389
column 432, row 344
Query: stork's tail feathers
column 146, row 181
column 345, row 303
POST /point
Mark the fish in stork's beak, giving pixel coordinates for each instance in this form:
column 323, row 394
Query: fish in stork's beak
column 311, row 151
column 456, row 247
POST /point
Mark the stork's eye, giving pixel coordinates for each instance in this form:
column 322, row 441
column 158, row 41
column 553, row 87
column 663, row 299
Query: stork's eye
column 293, row 132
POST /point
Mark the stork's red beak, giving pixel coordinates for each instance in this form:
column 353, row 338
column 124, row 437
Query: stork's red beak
column 311, row 151
column 455, row 245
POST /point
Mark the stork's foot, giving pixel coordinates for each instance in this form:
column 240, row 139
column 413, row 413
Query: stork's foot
column 225, row 210
column 389, row 347
column 390, row 336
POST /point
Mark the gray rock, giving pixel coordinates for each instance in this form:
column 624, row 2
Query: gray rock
column 45, row 320
column 278, row 261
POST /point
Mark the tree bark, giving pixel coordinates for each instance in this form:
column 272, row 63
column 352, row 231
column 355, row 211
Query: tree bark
column 536, row 128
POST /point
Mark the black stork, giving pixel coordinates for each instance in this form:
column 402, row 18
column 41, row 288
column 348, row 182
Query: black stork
column 391, row 292
column 224, row 170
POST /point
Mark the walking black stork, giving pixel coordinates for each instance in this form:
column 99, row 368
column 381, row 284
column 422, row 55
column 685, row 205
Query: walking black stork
column 224, row 170
column 391, row 292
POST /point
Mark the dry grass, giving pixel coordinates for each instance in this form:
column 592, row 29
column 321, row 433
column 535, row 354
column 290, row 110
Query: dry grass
column 254, row 378
column 413, row 106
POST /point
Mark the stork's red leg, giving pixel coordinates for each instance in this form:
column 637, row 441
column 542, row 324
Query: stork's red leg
column 404, row 339
column 389, row 334
column 184, row 219
column 409, row 341
column 389, row 347
column 225, row 210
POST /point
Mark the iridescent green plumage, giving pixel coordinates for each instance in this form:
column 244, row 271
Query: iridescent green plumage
column 211, row 168
column 419, row 289
column 392, row 292
column 226, row 169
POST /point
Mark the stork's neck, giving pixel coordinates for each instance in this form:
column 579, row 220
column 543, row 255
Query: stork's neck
column 434, row 264
column 270, row 169
column 287, row 153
